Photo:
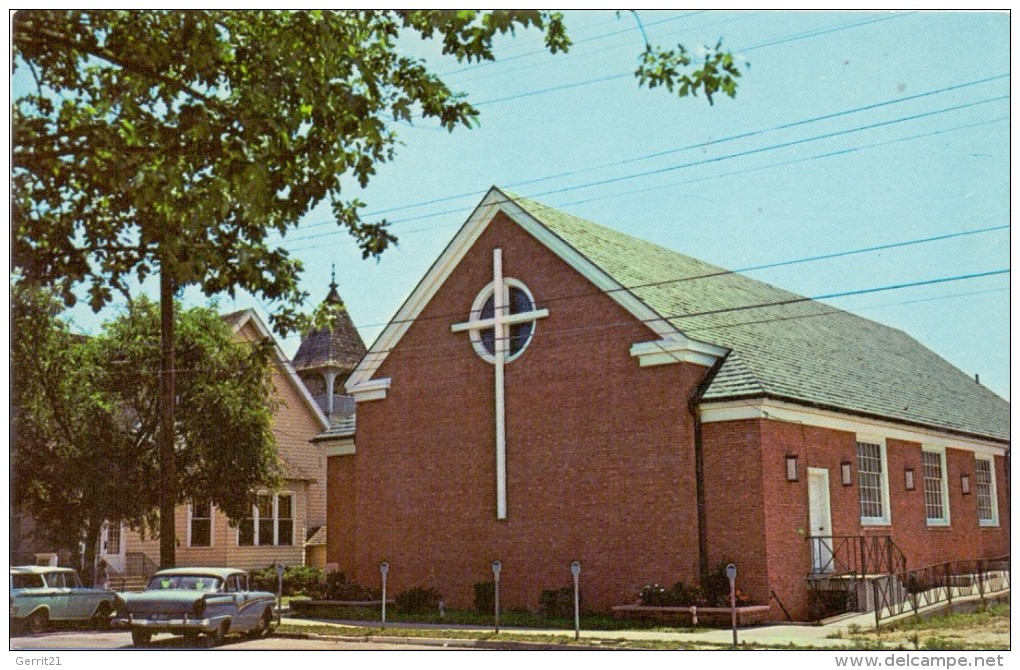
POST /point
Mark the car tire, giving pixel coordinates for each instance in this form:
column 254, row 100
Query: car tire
column 140, row 638
column 265, row 623
column 101, row 620
column 215, row 638
column 191, row 639
column 38, row 622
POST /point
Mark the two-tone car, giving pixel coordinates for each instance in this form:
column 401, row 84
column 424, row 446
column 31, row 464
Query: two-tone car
column 196, row 602
column 44, row 594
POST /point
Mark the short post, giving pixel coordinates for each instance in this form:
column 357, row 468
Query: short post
column 279, row 593
column 731, row 574
column 496, row 567
column 384, row 568
column 575, row 570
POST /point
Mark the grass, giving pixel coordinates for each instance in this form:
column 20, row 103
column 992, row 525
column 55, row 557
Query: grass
column 984, row 630
column 510, row 619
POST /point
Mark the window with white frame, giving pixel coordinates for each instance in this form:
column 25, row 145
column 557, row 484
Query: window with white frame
column 984, row 486
column 872, row 483
column 271, row 522
column 200, row 523
column 936, row 493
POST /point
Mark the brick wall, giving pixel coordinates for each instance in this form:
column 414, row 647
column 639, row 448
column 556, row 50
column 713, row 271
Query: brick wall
column 781, row 510
column 599, row 451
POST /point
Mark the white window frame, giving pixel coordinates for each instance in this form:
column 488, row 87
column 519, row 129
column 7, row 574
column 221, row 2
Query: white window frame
column 943, row 485
column 994, row 521
column 476, row 311
column 256, row 539
column 886, row 518
column 212, row 525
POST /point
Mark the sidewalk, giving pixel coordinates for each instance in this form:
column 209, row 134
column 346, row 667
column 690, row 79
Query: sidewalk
column 778, row 635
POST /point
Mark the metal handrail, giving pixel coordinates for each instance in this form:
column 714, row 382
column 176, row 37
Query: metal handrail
column 913, row 590
column 857, row 555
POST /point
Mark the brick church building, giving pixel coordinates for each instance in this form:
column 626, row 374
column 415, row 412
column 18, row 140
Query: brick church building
column 649, row 415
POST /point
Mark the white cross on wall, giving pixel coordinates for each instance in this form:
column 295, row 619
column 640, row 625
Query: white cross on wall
column 500, row 321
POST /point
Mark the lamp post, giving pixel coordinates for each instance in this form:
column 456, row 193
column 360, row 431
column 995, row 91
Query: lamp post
column 279, row 593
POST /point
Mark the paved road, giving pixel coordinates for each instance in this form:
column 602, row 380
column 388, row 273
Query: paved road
column 122, row 640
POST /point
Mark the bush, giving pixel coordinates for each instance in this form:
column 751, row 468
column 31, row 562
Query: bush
column 297, row 580
column 679, row 595
column 485, row 597
column 336, row 587
column 419, row 600
column 558, row 603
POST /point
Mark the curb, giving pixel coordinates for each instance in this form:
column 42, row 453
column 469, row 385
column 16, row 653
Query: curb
column 442, row 643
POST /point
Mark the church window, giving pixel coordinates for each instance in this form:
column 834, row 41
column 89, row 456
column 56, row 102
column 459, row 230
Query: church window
column 935, row 494
column 984, row 476
column 872, row 483
column 517, row 320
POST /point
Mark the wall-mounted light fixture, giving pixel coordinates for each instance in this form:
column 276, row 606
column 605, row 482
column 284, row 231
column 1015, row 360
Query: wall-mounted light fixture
column 845, row 473
column 965, row 484
column 908, row 479
column 791, row 468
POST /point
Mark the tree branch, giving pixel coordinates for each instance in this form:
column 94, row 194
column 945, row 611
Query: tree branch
column 49, row 37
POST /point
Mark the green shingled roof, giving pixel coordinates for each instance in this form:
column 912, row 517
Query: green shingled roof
column 802, row 350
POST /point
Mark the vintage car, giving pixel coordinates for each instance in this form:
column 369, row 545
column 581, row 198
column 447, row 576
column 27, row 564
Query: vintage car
column 192, row 602
column 41, row 594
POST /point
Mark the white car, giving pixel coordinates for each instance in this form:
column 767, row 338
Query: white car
column 192, row 602
column 41, row 594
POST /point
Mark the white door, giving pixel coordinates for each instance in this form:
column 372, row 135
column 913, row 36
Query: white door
column 111, row 546
column 820, row 518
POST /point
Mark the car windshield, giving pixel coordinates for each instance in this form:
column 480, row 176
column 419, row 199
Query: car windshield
column 184, row 583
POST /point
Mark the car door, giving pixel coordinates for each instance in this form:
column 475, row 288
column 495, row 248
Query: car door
column 81, row 602
column 238, row 594
column 58, row 595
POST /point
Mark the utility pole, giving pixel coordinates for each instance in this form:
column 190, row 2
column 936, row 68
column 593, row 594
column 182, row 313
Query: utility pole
column 167, row 457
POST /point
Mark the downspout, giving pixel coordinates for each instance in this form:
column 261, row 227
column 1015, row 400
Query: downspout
column 699, row 464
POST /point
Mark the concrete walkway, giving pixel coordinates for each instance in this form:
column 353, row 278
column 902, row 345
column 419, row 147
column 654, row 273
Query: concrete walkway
column 773, row 636
column 834, row 634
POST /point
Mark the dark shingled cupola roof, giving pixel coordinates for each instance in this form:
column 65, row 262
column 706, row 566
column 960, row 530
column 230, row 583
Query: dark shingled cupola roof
column 341, row 347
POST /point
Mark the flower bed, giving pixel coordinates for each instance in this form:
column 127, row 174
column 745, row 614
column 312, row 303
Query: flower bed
column 311, row 608
column 692, row 616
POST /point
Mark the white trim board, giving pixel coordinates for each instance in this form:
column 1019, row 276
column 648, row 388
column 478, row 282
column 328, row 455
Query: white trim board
column 496, row 201
column 778, row 410
column 282, row 361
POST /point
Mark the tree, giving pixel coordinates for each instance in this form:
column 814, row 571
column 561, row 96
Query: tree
column 178, row 141
column 88, row 416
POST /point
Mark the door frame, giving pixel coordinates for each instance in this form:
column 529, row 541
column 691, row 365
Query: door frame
column 821, row 552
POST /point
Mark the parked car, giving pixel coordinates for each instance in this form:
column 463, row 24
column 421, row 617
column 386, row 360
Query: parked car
column 192, row 602
column 41, row 594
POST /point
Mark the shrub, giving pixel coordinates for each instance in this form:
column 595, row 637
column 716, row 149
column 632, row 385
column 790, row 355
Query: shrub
column 558, row 603
column 679, row 595
column 419, row 600
column 297, row 579
column 485, row 597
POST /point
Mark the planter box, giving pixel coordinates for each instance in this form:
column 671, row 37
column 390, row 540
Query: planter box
column 747, row 615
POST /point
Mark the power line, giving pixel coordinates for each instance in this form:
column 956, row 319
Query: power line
column 782, row 40
column 721, row 272
column 432, row 348
column 689, row 147
column 705, row 161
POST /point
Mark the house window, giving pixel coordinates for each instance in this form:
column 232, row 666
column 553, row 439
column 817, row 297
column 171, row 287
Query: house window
column 872, row 483
column 271, row 523
column 936, row 494
column 984, row 480
column 200, row 523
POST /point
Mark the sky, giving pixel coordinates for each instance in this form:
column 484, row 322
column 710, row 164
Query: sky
column 849, row 131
